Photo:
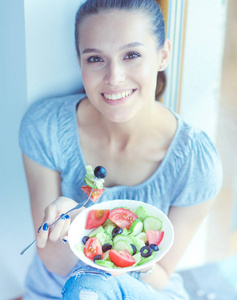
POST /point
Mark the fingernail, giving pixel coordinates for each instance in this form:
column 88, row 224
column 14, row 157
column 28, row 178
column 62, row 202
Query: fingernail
column 67, row 217
column 45, row 227
column 63, row 241
column 62, row 217
column 39, row 228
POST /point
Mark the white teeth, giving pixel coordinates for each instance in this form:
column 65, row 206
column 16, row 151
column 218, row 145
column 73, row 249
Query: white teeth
column 118, row 96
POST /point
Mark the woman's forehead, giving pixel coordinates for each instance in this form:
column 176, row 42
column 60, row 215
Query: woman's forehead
column 118, row 27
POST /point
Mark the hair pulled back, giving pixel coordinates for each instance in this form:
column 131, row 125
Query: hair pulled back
column 150, row 7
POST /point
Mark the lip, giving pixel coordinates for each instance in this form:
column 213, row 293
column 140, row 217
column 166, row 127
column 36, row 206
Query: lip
column 118, row 101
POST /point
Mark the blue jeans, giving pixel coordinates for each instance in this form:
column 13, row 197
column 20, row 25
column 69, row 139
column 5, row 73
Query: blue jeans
column 88, row 283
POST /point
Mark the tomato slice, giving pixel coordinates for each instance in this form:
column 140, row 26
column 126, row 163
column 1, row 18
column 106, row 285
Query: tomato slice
column 122, row 217
column 92, row 248
column 96, row 217
column 154, row 236
column 95, row 195
column 122, row 258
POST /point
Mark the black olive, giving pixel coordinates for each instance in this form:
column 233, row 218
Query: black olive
column 84, row 239
column 106, row 247
column 100, row 172
column 146, row 243
column 97, row 257
column 154, row 247
column 146, row 251
column 116, row 230
column 134, row 248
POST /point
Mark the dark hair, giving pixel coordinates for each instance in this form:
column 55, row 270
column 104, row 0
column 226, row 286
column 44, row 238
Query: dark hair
column 150, row 7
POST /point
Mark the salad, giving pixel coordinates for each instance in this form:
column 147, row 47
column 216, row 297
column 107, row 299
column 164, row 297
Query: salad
column 94, row 180
column 121, row 238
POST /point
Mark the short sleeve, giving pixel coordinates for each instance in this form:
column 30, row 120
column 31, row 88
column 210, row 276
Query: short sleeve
column 200, row 178
column 38, row 134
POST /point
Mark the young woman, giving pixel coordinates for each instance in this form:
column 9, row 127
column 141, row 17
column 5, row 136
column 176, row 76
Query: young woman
column 150, row 153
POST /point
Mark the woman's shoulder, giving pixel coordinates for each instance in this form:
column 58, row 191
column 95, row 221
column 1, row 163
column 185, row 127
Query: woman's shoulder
column 41, row 125
column 198, row 165
column 45, row 108
column 195, row 142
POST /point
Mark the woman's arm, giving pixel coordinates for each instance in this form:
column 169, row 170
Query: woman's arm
column 185, row 221
column 44, row 188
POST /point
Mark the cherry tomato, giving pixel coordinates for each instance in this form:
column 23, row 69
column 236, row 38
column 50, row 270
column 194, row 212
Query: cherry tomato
column 95, row 195
column 154, row 236
column 122, row 217
column 96, row 217
column 92, row 248
column 122, row 258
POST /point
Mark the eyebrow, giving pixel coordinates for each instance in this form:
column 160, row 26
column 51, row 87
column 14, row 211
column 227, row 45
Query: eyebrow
column 130, row 45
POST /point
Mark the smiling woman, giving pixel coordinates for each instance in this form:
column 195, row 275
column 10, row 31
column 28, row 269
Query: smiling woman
column 119, row 76
column 150, row 153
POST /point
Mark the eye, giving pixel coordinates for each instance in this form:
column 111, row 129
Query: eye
column 94, row 59
column 132, row 55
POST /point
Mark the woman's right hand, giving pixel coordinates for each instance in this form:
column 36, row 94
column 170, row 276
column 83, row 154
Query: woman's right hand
column 58, row 231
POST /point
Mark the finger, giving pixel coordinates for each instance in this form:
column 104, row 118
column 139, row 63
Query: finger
column 43, row 231
column 56, row 231
column 66, row 227
column 42, row 237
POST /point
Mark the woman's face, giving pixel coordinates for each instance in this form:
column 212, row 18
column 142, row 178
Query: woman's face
column 119, row 61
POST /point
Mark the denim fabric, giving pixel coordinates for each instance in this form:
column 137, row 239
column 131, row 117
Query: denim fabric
column 41, row 284
column 88, row 283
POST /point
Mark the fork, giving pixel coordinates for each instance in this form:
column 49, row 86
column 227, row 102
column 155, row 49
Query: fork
column 63, row 215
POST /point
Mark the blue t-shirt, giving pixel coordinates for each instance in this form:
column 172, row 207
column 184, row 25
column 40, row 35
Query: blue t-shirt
column 190, row 173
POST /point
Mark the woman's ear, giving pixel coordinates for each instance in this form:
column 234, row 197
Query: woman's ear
column 165, row 55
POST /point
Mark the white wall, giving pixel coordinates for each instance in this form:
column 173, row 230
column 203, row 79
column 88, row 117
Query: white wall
column 37, row 60
column 15, row 222
column 52, row 67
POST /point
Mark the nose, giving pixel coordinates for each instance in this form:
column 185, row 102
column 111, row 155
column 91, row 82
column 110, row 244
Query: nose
column 114, row 74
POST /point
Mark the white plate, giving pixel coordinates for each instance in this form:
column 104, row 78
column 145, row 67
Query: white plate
column 77, row 231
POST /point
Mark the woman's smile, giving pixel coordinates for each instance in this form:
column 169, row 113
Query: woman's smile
column 117, row 95
column 117, row 98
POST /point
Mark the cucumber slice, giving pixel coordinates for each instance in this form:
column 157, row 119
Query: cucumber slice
column 142, row 213
column 136, row 227
column 90, row 183
column 142, row 236
column 94, row 232
column 95, row 184
column 120, row 237
column 123, row 245
column 146, row 259
column 104, row 263
column 152, row 223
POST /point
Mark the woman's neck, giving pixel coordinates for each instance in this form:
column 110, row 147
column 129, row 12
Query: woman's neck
column 123, row 134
